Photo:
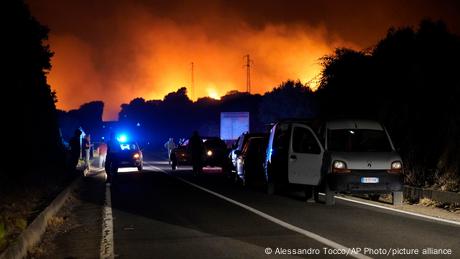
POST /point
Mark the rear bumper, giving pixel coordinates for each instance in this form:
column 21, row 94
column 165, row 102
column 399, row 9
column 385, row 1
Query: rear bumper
column 352, row 182
column 129, row 163
column 213, row 161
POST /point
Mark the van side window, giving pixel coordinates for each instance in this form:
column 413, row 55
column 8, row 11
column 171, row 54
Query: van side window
column 281, row 140
column 303, row 141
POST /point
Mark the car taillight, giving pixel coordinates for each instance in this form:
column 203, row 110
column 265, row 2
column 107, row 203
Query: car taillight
column 136, row 156
column 340, row 167
column 396, row 167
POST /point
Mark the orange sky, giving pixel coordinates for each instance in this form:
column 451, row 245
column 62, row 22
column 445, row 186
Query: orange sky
column 161, row 63
column 117, row 51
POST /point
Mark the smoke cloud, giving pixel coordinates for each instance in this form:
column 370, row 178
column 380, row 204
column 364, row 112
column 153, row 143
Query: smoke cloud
column 115, row 52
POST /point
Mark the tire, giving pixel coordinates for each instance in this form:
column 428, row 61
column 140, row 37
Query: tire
column 140, row 168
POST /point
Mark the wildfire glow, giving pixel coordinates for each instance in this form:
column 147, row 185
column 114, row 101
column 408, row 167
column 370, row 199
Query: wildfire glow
column 213, row 94
column 147, row 56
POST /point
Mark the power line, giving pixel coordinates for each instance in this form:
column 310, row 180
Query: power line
column 249, row 61
column 193, row 83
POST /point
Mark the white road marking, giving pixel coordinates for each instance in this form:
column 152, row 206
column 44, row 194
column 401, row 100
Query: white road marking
column 284, row 224
column 400, row 211
column 107, row 245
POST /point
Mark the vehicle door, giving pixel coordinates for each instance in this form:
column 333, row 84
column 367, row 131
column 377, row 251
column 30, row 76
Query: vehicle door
column 305, row 156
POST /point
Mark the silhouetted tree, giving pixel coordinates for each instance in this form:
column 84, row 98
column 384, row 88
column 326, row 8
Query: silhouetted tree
column 33, row 125
column 289, row 100
column 88, row 116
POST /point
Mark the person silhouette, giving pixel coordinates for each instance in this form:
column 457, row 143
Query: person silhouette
column 170, row 146
column 196, row 150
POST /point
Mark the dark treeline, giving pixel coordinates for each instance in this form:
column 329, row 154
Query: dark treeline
column 177, row 116
column 30, row 115
column 87, row 117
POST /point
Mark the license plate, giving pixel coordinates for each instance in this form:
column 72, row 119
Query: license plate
column 369, row 179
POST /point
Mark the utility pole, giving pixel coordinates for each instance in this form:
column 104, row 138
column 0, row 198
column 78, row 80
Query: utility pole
column 248, row 72
column 193, row 84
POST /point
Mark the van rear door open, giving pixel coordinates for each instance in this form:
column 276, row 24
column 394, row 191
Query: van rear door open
column 305, row 156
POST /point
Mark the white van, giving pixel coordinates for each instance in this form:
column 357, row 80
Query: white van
column 350, row 156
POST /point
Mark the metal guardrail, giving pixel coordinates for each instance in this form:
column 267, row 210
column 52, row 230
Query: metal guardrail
column 417, row 193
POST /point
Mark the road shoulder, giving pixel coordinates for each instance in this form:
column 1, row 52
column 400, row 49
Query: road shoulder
column 75, row 231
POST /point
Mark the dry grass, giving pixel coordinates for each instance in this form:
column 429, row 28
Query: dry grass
column 20, row 205
column 427, row 202
column 55, row 222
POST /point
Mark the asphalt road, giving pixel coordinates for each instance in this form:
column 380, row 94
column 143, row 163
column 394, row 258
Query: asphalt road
column 165, row 214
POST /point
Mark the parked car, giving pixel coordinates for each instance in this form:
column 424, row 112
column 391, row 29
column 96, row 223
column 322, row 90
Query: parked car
column 214, row 153
column 249, row 165
column 238, row 147
column 127, row 154
column 355, row 156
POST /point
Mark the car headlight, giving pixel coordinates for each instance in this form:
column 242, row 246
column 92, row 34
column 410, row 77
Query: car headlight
column 136, row 156
column 396, row 167
column 340, row 167
column 209, row 153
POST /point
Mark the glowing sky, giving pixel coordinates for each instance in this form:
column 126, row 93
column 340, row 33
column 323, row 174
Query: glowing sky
column 115, row 51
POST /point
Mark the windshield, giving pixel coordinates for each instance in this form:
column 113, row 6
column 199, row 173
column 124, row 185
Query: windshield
column 358, row 140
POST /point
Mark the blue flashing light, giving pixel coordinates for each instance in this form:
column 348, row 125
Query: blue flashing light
column 122, row 138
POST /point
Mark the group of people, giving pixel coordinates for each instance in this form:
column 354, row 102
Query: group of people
column 196, row 148
column 82, row 148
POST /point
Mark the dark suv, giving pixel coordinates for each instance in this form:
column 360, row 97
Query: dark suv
column 126, row 154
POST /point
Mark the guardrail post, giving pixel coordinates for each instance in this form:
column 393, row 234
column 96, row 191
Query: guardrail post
column 398, row 198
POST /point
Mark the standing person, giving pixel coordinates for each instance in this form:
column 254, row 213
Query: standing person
column 170, row 145
column 86, row 144
column 196, row 150
column 75, row 146
column 102, row 152
column 109, row 160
